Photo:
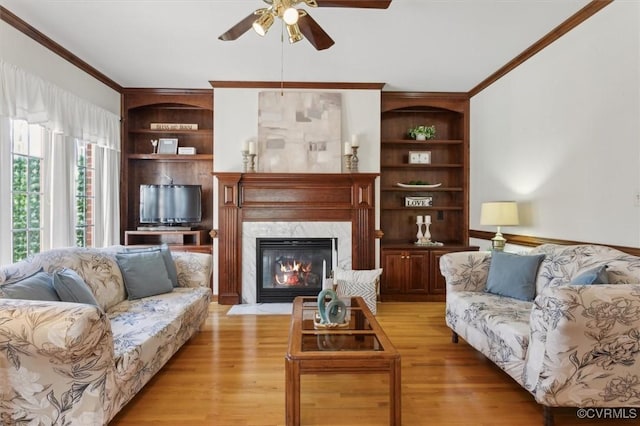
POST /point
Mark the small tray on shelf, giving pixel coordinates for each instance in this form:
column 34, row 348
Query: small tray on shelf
column 423, row 186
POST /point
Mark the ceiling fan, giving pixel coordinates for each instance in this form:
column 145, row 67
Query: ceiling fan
column 298, row 21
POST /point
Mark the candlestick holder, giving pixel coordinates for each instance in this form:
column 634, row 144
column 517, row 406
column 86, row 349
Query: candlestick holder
column 419, row 235
column 245, row 161
column 347, row 161
column 252, row 163
column 426, row 237
column 354, row 159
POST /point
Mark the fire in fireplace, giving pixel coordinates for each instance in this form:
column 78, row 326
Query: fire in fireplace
column 290, row 267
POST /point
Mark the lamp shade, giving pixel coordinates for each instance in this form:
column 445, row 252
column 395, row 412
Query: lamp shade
column 499, row 213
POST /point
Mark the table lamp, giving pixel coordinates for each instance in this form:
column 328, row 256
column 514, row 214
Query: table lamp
column 499, row 213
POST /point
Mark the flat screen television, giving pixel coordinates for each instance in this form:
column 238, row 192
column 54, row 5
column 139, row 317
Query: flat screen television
column 170, row 204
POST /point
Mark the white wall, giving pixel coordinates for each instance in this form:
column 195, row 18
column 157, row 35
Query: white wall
column 236, row 120
column 560, row 135
column 23, row 52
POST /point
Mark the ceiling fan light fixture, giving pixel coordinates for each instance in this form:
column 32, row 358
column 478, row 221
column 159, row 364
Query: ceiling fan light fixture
column 294, row 33
column 263, row 23
column 290, row 16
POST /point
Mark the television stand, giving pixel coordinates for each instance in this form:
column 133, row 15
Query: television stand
column 164, row 228
column 171, row 237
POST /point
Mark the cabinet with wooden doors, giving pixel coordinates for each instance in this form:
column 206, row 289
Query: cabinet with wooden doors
column 185, row 115
column 413, row 274
column 421, row 178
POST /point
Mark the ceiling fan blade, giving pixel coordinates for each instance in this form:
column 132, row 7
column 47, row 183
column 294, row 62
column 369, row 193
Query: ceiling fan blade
column 238, row 29
column 314, row 33
column 361, row 4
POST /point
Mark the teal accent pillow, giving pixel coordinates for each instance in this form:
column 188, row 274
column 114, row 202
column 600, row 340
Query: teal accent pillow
column 144, row 273
column 597, row 275
column 37, row 286
column 71, row 287
column 166, row 256
column 513, row 275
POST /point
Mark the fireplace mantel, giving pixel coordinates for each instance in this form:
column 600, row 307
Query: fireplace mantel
column 304, row 197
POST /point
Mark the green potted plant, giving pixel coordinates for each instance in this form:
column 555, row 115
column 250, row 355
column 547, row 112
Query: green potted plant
column 422, row 132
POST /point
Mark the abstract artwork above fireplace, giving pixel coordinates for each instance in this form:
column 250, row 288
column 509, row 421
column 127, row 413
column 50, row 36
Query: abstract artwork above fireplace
column 299, row 132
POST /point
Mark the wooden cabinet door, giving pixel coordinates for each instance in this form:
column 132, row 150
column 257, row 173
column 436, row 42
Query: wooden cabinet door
column 417, row 279
column 437, row 284
column 394, row 267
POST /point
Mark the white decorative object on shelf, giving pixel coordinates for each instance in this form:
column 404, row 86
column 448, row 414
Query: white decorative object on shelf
column 186, row 150
column 422, row 186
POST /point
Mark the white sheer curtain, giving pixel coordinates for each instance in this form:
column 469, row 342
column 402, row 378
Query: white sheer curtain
column 66, row 117
column 5, row 193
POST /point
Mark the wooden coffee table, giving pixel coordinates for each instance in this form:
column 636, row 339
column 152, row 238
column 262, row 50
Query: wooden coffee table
column 359, row 347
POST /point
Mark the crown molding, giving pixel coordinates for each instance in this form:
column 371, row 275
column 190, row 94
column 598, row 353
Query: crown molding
column 573, row 21
column 39, row 37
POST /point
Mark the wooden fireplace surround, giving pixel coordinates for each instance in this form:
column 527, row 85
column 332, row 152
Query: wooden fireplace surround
column 290, row 197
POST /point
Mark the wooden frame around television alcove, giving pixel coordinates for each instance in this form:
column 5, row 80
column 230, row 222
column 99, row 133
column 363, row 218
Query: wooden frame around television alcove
column 277, row 197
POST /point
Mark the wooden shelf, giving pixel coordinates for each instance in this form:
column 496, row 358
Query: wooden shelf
column 171, row 157
column 433, row 208
column 419, row 166
column 203, row 132
column 439, row 189
column 421, row 143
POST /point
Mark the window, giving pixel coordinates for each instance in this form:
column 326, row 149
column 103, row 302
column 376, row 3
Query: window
column 26, row 192
column 85, row 172
column 28, row 160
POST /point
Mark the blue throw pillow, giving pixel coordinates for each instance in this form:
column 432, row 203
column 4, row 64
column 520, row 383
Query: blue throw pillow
column 71, row 287
column 597, row 275
column 513, row 275
column 144, row 273
column 37, row 286
column 166, row 256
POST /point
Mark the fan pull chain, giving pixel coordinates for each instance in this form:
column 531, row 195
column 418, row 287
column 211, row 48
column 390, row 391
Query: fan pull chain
column 282, row 60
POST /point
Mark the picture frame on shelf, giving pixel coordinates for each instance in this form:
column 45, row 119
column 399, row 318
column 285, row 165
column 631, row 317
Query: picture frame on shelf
column 419, row 157
column 168, row 146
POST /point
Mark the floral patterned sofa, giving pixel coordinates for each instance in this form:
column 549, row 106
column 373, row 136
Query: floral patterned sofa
column 70, row 363
column 574, row 345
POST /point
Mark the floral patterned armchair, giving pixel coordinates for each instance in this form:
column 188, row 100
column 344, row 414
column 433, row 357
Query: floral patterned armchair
column 71, row 363
column 574, row 345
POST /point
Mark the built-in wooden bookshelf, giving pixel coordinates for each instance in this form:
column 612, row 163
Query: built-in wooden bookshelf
column 140, row 165
column 411, row 272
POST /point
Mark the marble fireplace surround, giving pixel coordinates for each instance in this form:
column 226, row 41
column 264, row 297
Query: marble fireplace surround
column 253, row 230
column 338, row 205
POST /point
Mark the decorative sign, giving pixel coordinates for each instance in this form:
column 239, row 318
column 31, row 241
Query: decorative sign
column 418, row 201
column 173, row 126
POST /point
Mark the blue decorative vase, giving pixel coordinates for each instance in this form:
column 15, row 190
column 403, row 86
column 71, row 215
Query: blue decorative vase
column 332, row 312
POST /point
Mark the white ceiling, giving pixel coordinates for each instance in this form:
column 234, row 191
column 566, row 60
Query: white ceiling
column 415, row 45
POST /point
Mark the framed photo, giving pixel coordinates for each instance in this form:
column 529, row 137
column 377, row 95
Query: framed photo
column 167, row 146
column 419, row 157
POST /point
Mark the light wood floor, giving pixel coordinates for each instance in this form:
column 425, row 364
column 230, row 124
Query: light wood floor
column 232, row 373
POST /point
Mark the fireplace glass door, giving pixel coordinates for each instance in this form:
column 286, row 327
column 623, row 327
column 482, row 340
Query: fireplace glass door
column 290, row 267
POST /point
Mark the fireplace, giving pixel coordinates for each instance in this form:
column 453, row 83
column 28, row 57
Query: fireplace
column 290, row 267
column 300, row 199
